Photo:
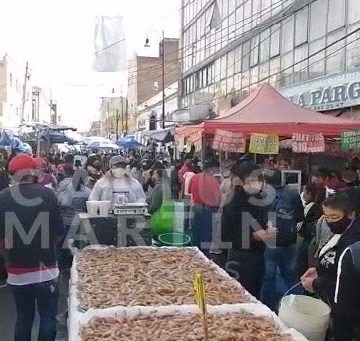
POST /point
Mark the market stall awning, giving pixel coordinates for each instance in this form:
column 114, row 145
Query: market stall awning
column 129, row 142
column 164, row 135
column 189, row 130
column 267, row 111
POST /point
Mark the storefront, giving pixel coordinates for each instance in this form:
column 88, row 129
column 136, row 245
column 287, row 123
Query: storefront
column 339, row 92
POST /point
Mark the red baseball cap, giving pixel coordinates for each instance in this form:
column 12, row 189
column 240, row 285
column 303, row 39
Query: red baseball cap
column 39, row 163
column 21, row 162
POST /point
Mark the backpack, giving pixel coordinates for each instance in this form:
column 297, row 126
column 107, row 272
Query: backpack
column 286, row 209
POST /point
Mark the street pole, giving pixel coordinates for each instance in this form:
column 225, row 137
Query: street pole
column 122, row 114
column 127, row 117
column 117, row 124
column 24, row 92
column 163, row 80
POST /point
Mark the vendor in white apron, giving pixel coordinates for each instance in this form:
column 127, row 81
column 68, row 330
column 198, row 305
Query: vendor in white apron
column 118, row 181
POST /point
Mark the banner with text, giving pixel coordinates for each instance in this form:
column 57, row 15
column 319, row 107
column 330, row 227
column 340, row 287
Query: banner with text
column 308, row 143
column 228, row 141
column 265, row 144
column 350, row 140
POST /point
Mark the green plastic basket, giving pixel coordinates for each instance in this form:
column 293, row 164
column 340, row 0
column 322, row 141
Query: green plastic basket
column 174, row 239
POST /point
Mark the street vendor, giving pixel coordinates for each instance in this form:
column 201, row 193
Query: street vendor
column 118, row 181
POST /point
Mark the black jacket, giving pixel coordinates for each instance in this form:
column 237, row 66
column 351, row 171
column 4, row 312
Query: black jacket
column 327, row 262
column 346, row 311
column 241, row 217
column 307, row 230
column 30, row 210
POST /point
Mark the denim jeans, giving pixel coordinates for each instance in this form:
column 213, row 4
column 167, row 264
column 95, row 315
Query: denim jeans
column 278, row 260
column 201, row 227
column 3, row 272
column 45, row 295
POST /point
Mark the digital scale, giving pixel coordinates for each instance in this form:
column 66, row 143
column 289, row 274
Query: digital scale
column 131, row 209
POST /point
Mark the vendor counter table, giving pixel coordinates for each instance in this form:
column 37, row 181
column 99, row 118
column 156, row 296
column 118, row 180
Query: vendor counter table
column 116, row 230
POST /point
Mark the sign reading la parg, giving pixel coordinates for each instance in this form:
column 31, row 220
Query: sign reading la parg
column 327, row 93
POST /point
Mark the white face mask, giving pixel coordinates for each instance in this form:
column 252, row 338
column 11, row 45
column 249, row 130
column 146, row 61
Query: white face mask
column 119, row 173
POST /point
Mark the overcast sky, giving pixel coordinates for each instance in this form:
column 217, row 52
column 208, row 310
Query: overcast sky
column 56, row 37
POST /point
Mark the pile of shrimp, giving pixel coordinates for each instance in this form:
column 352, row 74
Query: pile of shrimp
column 150, row 277
column 230, row 327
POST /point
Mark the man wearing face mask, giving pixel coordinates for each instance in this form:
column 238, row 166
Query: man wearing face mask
column 118, row 180
column 344, row 223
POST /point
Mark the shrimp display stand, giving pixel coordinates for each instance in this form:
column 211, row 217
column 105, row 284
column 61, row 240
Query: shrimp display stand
column 147, row 293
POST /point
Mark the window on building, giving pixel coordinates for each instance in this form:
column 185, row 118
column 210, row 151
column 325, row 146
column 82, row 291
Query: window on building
column 336, row 17
column 275, row 41
column 256, row 13
column 230, row 63
column 217, row 70
column 318, row 10
column 11, row 79
column 229, row 84
column 335, row 55
column 265, row 45
column 353, row 11
column 274, row 71
column 247, row 15
column 237, row 82
column 246, row 56
column 237, row 61
column 287, row 69
column 265, row 10
column 301, row 66
column 232, row 6
column 317, row 62
column 254, row 51
column 216, row 17
column 301, row 26
column 223, row 62
column 239, row 17
column 353, row 50
column 287, row 35
column 232, row 27
column 245, row 79
column 264, row 71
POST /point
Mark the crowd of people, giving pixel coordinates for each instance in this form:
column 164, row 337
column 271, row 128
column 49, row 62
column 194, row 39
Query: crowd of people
column 266, row 234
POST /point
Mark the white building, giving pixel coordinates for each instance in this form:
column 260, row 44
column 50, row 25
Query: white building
column 11, row 90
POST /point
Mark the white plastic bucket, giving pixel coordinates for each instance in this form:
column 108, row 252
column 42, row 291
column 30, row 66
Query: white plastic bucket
column 104, row 208
column 92, row 207
column 307, row 315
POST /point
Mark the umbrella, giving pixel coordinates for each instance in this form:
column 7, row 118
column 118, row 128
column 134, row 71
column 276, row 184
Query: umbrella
column 128, row 142
column 102, row 145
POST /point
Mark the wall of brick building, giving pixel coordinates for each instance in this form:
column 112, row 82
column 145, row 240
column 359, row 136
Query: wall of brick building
column 145, row 72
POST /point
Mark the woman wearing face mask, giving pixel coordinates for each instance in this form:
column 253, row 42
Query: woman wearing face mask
column 340, row 215
column 118, row 181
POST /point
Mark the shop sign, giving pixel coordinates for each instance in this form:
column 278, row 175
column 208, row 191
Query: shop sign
column 266, row 144
column 308, row 143
column 327, row 93
column 350, row 140
column 228, row 141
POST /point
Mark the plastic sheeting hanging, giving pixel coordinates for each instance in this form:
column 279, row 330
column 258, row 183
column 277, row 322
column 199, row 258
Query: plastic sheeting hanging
column 109, row 44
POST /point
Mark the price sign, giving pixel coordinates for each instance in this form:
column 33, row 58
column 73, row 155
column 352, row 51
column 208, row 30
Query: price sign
column 200, row 299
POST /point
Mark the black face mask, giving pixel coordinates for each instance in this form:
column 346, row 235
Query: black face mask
column 340, row 226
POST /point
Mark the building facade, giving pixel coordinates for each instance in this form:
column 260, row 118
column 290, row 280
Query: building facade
column 149, row 116
column 145, row 74
column 11, row 93
column 229, row 47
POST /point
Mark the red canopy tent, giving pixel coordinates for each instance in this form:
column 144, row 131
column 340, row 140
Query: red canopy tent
column 267, row 111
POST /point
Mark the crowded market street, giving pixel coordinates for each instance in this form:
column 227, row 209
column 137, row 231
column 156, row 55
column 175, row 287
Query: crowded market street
column 180, row 170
